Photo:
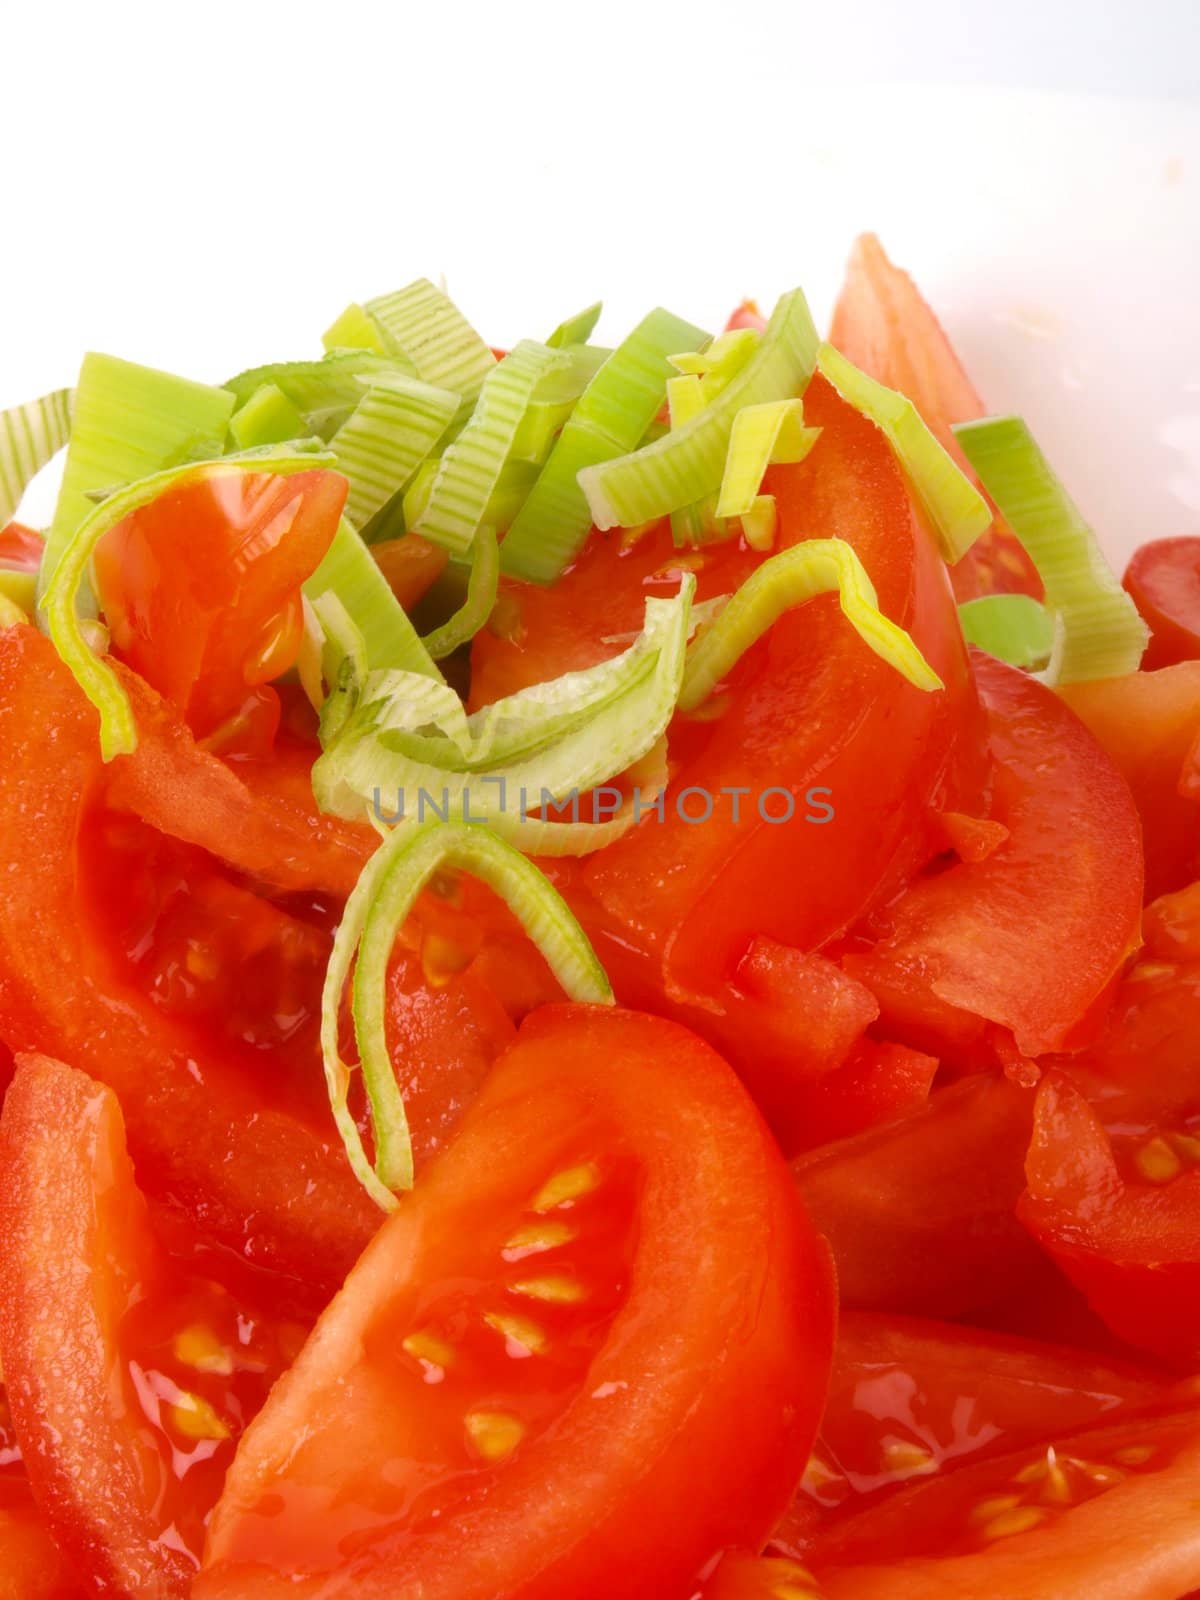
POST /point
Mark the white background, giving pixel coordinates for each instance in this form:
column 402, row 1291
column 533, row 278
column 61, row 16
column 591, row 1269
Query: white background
column 203, row 187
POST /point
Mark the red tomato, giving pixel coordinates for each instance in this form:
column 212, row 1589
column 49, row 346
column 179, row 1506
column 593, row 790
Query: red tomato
column 747, row 315
column 525, row 1382
column 31, row 1565
column 201, row 588
column 1032, row 937
column 20, row 548
column 129, row 1383
column 885, row 327
column 411, row 566
column 920, row 1212
column 1163, row 577
column 1149, row 723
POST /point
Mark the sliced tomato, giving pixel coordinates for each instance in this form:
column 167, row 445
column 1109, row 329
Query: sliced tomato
column 411, row 565
column 201, row 587
column 129, row 1382
column 1149, row 722
column 1032, row 937
column 31, row 1565
column 885, row 326
column 525, row 1382
column 920, row 1212
column 1163, row 576
column 20, row 548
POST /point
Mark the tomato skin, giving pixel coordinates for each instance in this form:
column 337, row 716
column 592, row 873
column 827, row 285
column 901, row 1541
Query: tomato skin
column 1163, row 577
column 885, row 326
column 723, row 1322
column 31, row 1565
column 201, row 587
column 1032, row 937
column 411, row 565
column 1149, row 722
column 21, row 548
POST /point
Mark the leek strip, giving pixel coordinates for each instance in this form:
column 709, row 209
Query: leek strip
column 482, row 586
column 351, row 572
column 1013, row 627
column 720, row 360
column 689, row 462
column 955, row 508
column 325, row 391
column 355, row 329
column 818, row 566
column 30, row 436
column 10, row 612
column 470, row 468
column 761, row 435
column 424, row 325
column 380, row 446
column 577, row 329
column 268, row 417
column 610, row 419
column 118, row 731
column 19, row 587
column 410, row 859
column 1097, row 630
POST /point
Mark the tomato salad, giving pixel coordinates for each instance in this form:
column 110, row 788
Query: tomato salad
column 599, row 980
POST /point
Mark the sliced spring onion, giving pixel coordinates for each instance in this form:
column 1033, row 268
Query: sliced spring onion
column 956, row 510
column 325, row 391
column 818, row 566
column 1097, row 630
column 470, row 467
column 577, row 329
column 380, row 446
column 30, row 435
column 762, row 434
column 427, row 328
column 610, row 419
column 377, row 909
column 350, row 572
column 355, row 329
column 1013, row 627
column 688, row 463
column 482, row 586
column 128, row 422
column 118, row 731
column 268, row 417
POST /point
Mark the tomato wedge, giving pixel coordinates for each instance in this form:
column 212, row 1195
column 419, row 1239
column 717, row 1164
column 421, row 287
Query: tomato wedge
column 1163, row 577
column 31, row 1565
column 20, row 548
column 524, row 1384
column 885, row 326
column 1032, row 937
column 129, row 1382
column 201, row 587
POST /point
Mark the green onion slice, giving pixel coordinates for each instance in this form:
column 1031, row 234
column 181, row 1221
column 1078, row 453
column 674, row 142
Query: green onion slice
column 762, row 434
column 688, row 463
column 30, row 435
column 818, row 566
column 396, row 424
column 611, row 418
column 470, row 468
column 577, row 329
column 482, row 586
column 956, row 510
column 377, row 909
column 424, row 326
column 1013, row 627
column 1097, row 630
column 118, row 731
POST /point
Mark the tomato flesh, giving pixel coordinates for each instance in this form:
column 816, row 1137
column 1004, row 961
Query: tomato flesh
column 1163, row 578
column 522, row 1385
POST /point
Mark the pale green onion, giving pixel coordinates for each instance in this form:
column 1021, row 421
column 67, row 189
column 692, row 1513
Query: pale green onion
column 610, row 419
column 427, row 328
column 470, row 467
column 118, row 731
column 475, row 610
column 956, row 510
column 268, row 417
column 1097, row 630
column 818, row 566
column 30, row 436
column 577, row 329
column 355, row 329
column 396, row 424
column 351, row 572
column 761, row 435
column 1013, row 627
column 689, row 462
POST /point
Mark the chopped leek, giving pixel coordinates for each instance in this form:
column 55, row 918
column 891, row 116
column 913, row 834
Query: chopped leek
column 610, row 419
column 1013, row 627
column 118, row 731
column 720, row 361
column 380, row 446
column 471, row 466
column 268, row 417
column 10, row 612
column 325, row 391
column 956, row 510
column 688, row 463
column 29, row 436
column 355, row 329
column 760, row 523
column 424, row 325
column 377, row 909
column 20, row 588
column 128, row 422
column 818, row 566
column 351, row 573
column 484, row 581
column 762, row 434
column 1097, row 630
column 577, row 329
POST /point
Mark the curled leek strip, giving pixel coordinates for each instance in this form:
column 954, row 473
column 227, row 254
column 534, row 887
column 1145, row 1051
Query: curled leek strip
column 818, row 566
column 482, row 586
column 1012, row 627
column 30, row 435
